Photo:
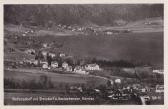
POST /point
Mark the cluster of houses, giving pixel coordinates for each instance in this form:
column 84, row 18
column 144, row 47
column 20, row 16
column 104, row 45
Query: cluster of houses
column 70, row 27
column 26, row 33
column 77, row 69
column 64, row 66
column 82, row 29
column 77, row 28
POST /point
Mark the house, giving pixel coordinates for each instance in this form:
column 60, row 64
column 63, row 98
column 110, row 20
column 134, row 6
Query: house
column 69, row 68
column 54, row 64
column 24, row 34
column 35, row 62
column 65, row 65
column 52, row 55
column 44, row 53
column 62, row 55
column 111, row 82
column 43, row 62
column 128, row 70
column 159, row 89
column 109, row 33
column 31, row 31
column 45, row 45
column 30, row 51
column 30, row 61
column 160, row 71
column 118, row 81
column 80, row 70
column 69, row 27
column 45, row 66
column 21, row 62
column 143, row 90
column 92, row 67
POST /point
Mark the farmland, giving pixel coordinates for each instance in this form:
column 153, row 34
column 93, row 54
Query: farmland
column 29, row 75
column 143, row 47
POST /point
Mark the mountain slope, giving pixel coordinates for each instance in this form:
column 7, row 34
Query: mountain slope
column 100, row 14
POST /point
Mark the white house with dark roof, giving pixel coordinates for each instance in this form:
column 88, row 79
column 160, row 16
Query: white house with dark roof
column 80, row 70
column 52, row 55
column 65, row 65
column 45, row 66
column 54, row 64
column 92, row 67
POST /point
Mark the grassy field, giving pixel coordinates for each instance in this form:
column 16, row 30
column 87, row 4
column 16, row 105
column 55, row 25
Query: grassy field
column 143, row 47
column 29, row 75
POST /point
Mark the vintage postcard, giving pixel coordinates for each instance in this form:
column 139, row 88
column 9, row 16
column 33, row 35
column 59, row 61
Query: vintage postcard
column 83, row 54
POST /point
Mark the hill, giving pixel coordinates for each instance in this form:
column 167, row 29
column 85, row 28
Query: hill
column 96, row 14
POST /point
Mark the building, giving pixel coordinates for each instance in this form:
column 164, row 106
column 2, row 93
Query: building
column 118, row 81
column 24, row 34
column 159, row 89
column 92, row 67
column 65, row 65
column 69, row 68
column 30, row 51
column 109, row 33
column 62, row 55
column 35, row 62
column 45, row 66
column 143, row 90
column 128, row 70
column 43, row 62
column 45, row 45
column 160, row 71
column 44, row 53
column 54, row 64
column 80, row 70
column 52, row 55
column 32, row 62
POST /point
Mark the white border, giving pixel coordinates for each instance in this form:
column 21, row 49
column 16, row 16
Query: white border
column 165, row 106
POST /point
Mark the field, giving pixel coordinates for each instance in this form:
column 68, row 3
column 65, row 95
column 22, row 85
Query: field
column 143, row 47
column 29, row 75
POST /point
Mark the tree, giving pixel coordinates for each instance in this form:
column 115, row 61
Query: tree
column 49, row 59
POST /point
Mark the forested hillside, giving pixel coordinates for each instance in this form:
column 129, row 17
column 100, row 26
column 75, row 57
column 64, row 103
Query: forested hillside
column 99, row 14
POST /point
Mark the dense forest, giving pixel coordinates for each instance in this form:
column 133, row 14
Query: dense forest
column 81, row 14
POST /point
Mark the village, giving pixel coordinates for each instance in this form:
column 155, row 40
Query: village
column 83, row 55
column 65, row 64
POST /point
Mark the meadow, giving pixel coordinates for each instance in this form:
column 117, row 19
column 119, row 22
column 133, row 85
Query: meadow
column 141, row 47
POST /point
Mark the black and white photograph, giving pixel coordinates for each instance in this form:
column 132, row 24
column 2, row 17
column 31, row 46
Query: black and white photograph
column 83, row 54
